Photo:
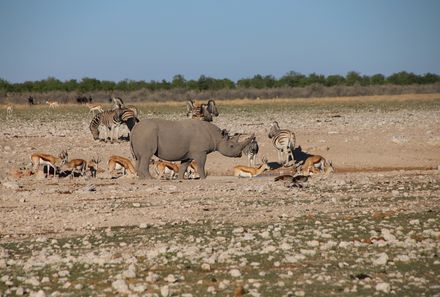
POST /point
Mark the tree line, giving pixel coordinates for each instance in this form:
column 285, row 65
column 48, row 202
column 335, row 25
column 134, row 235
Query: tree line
column 291, row 79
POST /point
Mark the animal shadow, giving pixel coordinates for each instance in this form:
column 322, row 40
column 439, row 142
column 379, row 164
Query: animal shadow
column 299, row 155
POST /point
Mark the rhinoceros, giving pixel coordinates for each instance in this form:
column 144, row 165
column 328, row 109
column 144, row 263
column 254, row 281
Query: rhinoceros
column 183, row 140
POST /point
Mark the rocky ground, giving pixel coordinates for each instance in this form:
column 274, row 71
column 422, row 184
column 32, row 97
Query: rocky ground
column 371, row 228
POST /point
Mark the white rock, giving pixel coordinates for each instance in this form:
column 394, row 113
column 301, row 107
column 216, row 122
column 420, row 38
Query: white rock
column 383, row 287
column 313, row 243
column 386, row 234
column 120, row 285
column 11, row 186
column 235, row 273
column 40, row 293
column 414, row 222
column 32, row 281
column 381, row 259
column 170, row 278
column 206, row 267
column 165, row 291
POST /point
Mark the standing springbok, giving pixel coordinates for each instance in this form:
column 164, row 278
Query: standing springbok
column 94, row 107
column 118, row 163
column 284, row 142
column 75, row 166
column 92, row 166
column 52, row 104
column 9, row 110
column 316, row 164
column 48, row 161
column 246, row 171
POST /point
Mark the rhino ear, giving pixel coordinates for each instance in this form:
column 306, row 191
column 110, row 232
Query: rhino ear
column 225, row 134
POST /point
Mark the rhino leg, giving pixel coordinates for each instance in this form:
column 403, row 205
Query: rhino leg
column 183, row 167
column 201, row 160
column 143, row 167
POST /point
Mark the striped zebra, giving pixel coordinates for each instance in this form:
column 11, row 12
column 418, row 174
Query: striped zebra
column 201, row 111
column 251, row 151
column 284, row 142
column 112, row 119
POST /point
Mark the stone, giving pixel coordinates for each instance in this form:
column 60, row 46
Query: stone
column 383, row 287
column 235, row 273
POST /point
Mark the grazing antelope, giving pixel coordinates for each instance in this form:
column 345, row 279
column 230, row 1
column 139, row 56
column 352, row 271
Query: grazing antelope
column 9, row 110
column 284, row 142
column 192, row 171
column 94, row 107
column 119, row 164
column 246, row 171
column 316, row 164
column 52, row 104
column 92, row 166
column 75, row 166
column 48, row 161
column 165, row 168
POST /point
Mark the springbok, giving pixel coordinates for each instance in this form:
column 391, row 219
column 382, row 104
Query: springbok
column 48, row 161
column 316, row 164
column 164, row 168
column 92, row 166
column 119, row 163
column 75, row 166
column 94, row 107
column 9, row 110
column 247, row 171
column 52, row 104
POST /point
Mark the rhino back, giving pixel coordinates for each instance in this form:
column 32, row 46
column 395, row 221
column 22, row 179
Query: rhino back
column 175, row 140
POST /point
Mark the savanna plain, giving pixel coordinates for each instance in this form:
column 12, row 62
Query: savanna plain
column 370, row 228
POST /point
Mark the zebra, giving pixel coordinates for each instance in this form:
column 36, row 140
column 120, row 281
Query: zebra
column 284, row 142
column 112, row 119
column 201, row 111
column 251, row 151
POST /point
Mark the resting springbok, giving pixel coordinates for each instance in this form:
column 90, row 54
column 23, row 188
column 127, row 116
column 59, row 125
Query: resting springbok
column 316, row 164
column 75, row 166
column 247, row 171
column 48, row 161
column 52, row 104
column 119, row 163
column 164, row 168
column 94, row 107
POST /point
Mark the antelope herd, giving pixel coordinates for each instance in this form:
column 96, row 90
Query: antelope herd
column 283, row 141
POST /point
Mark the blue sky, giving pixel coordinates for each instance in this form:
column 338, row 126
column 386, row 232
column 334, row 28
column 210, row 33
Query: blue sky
column 154, row 40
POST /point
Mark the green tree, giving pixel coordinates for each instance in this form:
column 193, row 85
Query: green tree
column 377, row 79
column 178, row 82
column 352, row 78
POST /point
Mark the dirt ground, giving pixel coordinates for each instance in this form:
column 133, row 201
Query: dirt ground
column 398, row 136
column 380, row 147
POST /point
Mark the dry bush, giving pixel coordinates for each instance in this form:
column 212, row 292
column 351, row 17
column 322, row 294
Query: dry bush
column 146, row 95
